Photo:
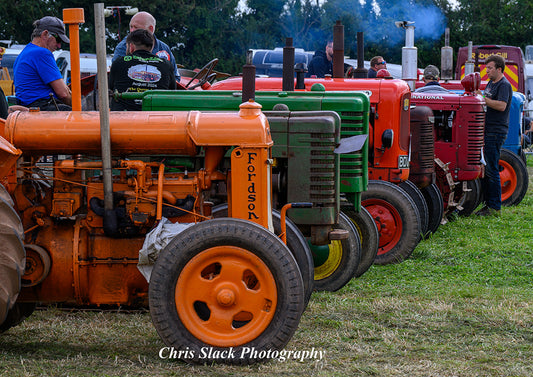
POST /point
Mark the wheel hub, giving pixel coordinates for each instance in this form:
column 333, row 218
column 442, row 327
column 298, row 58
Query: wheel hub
column 226, row 297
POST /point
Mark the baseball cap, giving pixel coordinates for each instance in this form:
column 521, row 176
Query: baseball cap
column 53, row 25
column 431, row 73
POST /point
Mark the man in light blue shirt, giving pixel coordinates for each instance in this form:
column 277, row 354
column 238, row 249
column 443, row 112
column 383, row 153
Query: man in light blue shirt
column 38, row 81
column 144, row 20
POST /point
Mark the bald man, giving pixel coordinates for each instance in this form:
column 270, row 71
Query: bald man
column 144, row 20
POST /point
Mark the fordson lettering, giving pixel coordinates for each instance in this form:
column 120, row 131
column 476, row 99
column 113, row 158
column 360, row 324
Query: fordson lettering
column 251, row 187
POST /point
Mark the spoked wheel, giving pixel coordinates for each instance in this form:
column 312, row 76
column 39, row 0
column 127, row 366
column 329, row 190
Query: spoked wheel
column 415, row 194
column 227, row 286
column 336, row 264
column 12, row 257
column 514, row 178
column 369, row 235
column 435, row 205
column 397, row 219
column 295, row 241
column 472, row 197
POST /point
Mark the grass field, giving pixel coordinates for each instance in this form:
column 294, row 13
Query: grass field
column 462, row 305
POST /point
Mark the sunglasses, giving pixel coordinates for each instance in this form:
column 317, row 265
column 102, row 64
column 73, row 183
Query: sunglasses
column 58, row 40
column 383, row 62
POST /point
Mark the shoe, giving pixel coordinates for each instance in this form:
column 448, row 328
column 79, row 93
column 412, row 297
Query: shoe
column 487, row 211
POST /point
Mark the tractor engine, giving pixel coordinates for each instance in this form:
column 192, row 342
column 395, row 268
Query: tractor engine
column 80, row 253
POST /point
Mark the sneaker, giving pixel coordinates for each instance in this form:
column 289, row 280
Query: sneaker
column 487, row 211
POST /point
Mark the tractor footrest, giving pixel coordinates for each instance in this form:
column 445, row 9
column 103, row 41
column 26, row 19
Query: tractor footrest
column 338, row 234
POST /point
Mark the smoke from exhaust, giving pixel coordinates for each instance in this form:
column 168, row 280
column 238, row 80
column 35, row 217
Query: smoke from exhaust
column 430, row 22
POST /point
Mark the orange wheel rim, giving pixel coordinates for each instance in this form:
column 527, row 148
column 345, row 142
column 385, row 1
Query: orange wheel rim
column 226, row 296
column 508, row 180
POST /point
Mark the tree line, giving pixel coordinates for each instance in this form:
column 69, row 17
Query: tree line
column 200, row 30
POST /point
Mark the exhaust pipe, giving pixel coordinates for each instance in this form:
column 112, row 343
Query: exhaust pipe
column 248, row 78
column 73, row 17
column 409, row 54
column 469, row 64
column 288, row 66
column 446, row 58
column 338, row 50
column 361, row 72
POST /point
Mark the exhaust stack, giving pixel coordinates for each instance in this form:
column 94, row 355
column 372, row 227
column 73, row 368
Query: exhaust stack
column 469, row 64
column 409, row 54
column 248, row 78
column 338, row 50
column 446, row 58
column 361, row 72
column 288, row 66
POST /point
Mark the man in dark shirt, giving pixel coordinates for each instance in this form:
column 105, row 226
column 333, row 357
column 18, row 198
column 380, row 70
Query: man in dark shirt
column 139, row 71
column 498, row 95
column 322, row 62
column 376, row 63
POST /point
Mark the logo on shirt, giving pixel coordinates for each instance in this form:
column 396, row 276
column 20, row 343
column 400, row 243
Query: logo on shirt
column 163, row 54
column 144, row 73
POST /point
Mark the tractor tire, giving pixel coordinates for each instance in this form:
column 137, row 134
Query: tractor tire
column 435, row 205
column 472, row 198
column 514, row 178
column 341, row 260
column 415, row 194
column 369, row 235
column 295, row 241
column 225, row 286
column 18, row 313
column 12, row 255
column 397, row 219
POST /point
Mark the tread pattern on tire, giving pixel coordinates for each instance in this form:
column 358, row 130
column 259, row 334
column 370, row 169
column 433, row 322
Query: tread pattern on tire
column 12, row 257
column 231, row 232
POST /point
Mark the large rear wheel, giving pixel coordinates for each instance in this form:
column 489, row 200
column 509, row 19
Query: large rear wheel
column 435, row 205
column 369, row 235
column 415, row 194
column 397, row 219
column 227, row 286
column 514, row 178
column 12, row 258
column 336, row 264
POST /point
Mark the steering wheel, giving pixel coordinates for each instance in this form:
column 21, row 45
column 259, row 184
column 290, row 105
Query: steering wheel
column 203, row 75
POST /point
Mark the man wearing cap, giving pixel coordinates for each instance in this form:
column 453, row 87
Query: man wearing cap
column 38, row 81
column 144, row 20
column 431, row 79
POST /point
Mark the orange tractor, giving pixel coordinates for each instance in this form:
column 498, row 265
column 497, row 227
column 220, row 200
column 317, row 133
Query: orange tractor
column 70, row 235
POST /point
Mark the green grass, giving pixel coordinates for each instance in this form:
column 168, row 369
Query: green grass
column 462, row 305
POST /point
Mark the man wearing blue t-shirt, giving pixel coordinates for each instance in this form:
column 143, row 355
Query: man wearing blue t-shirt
column 144, row 20
column 37, row 79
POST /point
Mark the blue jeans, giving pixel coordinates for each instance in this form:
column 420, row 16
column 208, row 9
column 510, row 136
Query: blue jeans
column 492, row 189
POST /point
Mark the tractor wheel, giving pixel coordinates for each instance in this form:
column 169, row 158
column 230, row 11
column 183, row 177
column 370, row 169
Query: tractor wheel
column 397, row 219
column 224, row 287
column 18, row 313
column 12, row 255
column 472, row 198
column 369, row 235
column 415, row 194
column 336, row 264
column 295, row 241
column 435, row 205
column 514, row 178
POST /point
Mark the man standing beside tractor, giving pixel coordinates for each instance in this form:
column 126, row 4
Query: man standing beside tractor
column 498, row 95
